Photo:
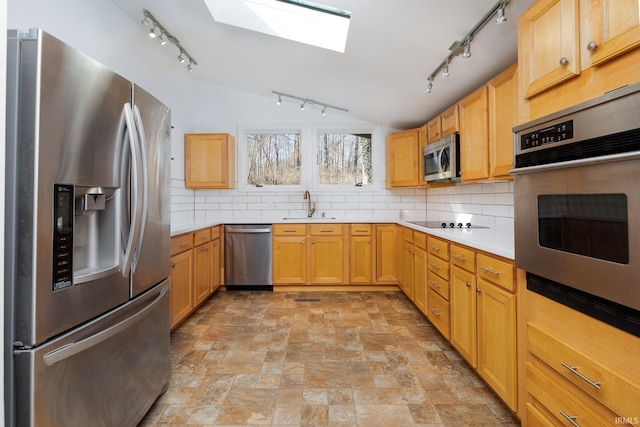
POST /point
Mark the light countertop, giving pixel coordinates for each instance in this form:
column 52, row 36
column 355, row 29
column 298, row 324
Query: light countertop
column 495, row 241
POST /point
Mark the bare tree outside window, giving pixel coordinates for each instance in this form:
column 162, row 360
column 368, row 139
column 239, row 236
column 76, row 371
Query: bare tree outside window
column 273, row 159
column 344, row 159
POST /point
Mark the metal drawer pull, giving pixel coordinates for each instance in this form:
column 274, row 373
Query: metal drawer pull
column 592, row 46
column 458, row 257
column 468, row 284
column 436, row 266
column 290, row 231
column 435, row 285
column 570, row 418
column 361, row 231
column 205, row 237
column 488, row 270
column 326, row 231
column 574, row 369
column 564, row 61
column 435, row 312
column 435, row 248
column 184, row 244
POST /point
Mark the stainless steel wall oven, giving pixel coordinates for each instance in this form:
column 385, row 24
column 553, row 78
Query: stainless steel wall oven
column 577, row 206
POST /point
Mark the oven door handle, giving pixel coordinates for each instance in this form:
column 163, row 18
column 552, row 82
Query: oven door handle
column 575, row 163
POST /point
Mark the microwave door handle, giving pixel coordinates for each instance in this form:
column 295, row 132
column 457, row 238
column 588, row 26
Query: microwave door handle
column 440, row 156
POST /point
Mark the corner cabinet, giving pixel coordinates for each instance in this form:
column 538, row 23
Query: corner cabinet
column 209, row 160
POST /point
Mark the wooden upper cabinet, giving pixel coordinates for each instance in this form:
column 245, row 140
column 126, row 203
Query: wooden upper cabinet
column 450, row 120
column 503, row 110
column 403, row 158
column 434, row 129
column 613, row 29
column 474, row 156
column 446, row 123
column 209, row 160
column 548, row 44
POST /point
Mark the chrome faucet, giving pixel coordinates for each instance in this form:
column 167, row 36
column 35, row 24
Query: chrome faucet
column 310, row 209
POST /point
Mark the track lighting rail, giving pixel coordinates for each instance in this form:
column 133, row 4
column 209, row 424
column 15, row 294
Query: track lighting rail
column 307, row 101
column 165, row 36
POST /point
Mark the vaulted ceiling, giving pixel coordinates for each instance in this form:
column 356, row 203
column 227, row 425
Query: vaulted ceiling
column 392, row 48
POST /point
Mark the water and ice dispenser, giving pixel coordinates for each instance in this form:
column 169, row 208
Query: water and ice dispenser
column 86, row 237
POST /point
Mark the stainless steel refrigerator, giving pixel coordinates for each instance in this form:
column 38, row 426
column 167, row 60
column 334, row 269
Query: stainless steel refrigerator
column 87, row 247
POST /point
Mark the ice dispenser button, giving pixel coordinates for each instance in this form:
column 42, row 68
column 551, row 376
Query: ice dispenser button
column 93, row 202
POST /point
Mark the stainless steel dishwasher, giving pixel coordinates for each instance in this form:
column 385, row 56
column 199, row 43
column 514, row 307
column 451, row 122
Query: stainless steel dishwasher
column 247, row 257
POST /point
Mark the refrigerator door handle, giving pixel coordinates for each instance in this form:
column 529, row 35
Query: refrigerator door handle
column 68, row 350
column 142, row 142
column 136, row 212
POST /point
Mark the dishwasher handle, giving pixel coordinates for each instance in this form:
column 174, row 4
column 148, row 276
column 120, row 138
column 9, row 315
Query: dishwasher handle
column 248, row 230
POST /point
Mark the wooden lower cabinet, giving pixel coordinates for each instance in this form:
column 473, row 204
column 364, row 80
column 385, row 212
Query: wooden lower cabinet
column 289, row 259
column 406, row 259
column 463, row 314
column 181, row 293
column 420, row 279
column 326, row 260
column 201, row 272
column 386, row 239
column 216, row 264
column 497, row 357
column 360, row 259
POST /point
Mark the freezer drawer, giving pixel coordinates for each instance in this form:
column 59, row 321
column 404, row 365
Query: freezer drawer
column 105, row 373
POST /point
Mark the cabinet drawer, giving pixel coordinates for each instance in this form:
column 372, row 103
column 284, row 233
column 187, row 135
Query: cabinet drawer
column 438, row 247
column 289, row 229
column 438, row 266
column 535, row 418
column 438, row 313
column 202, row 236
column 438, row 284
column 559, row 401
column 325, row 229
column 181, row 243
column 497, row 271
column 595, row 379
column 215, row 232
column 420, row 240
column 463, row 257
column 360, row 229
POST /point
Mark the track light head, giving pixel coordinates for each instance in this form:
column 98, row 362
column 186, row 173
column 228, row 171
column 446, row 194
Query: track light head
column 279, row 101
column 445, row 70
column 152, row 32
column 302, row 106
column 429, row 86
column 466, row 53
column 324, row 111
column 181, row 58
column 189, row 67
column 501, row 19
column 162, row 40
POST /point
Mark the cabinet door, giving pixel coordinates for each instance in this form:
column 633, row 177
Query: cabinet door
column 406, row 282
column 386, row 253
column 289, row 259
column 360, row 259
column 548, row 41
column 474, row 136
column 201, row 273
column 402, row 158
column 420, row 279
column 463, row 314
column 450, row 121
column 497, row 340
column 181, row 291
column 327, row 259
column 614, row 28
column 503, row 107
column 216, row 254
column 209, row 160
column 434, row 129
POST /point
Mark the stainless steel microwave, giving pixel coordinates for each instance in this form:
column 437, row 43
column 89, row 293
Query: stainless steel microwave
column 441, row 159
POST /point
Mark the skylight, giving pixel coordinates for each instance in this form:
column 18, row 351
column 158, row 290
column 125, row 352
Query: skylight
column 297, row 20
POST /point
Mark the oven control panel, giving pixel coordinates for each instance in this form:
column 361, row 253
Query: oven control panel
column 555, row 133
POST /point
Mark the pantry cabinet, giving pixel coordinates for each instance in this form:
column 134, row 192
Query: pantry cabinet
column 209, row 160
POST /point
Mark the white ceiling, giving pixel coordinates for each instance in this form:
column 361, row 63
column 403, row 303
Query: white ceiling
column 393, row 46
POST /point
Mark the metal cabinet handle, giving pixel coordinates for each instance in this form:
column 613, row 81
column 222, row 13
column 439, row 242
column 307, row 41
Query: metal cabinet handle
column 435, row 285
column 574, row 369
column 184, row 244
column 205, row 237
column 570, row 418
column 436, row 266
column 173, row 265
column 592, row 46
column 435, row 248
column 368, row 241
column 289, row 231
column 478, row 290
column 313, row 242
column 564, row 61
column 205, row 248
column 361, row 231
column 488, row 270
column 303, row 242
column 458, row 257
column 326, row 231
column 435, row 312
column 468, row 284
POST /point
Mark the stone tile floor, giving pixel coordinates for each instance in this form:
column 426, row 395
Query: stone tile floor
column 319, row 359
